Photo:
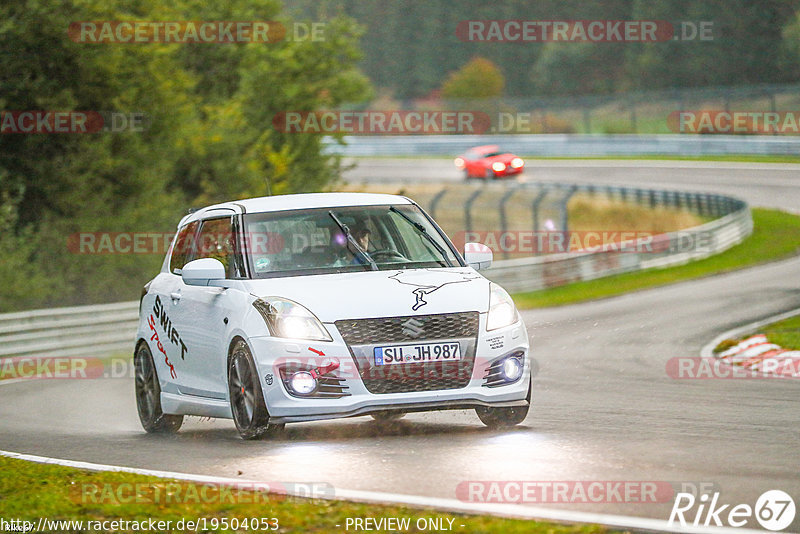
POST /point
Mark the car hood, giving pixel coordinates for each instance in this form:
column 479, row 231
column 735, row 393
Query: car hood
column 390, row 293
column 505, row 158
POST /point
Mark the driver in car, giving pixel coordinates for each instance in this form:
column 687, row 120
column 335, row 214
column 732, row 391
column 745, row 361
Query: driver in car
column 361, row 235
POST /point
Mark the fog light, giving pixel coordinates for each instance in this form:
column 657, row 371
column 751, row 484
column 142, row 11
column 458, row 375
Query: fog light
column 303, row 383
column 512, row 369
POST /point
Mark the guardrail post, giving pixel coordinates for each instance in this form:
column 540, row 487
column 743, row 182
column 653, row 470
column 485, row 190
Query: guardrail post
column 564, row 210
column 535, row 209
column 503, row 214
column 435, row 201
column 468, row 209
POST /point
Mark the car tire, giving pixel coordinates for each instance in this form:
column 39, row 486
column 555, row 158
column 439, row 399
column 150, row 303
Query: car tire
column 246, row 397
column 148, row 395
column 387, row 416
column 505, row 417
column 467, row 175
column 502, row 417
column 489, row 174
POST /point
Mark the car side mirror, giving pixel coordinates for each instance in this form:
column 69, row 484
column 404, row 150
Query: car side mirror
column 478, row 256
column 203, row 272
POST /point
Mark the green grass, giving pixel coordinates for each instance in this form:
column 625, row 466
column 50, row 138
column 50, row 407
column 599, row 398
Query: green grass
column 785, row 333
column 776, row 235
column 29, row 491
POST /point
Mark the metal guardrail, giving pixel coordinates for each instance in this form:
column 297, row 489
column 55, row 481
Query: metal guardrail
column 66, row 332
column 568, row 145
column 109, row 328
column 674, row 248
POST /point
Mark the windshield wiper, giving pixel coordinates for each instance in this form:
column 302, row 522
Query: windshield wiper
column 352, row 241
column 421, row 229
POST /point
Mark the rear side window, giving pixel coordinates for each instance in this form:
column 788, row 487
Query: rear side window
column 183, row 248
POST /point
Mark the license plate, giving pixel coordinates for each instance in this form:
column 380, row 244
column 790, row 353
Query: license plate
column 426, row 352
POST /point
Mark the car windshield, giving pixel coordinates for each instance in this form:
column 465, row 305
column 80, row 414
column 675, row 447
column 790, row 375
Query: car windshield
column 316, row 241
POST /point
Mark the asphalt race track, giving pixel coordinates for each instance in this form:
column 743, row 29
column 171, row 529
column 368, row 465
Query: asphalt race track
column 604, row 407
column 761, row 184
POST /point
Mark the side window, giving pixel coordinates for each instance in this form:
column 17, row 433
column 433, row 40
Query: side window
column 216, row 241
column 183, row 247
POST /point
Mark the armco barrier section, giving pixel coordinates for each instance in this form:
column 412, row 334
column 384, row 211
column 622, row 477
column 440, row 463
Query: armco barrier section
column 529, row 274
column 65, row 332
column 109, row 328
column 568, row 144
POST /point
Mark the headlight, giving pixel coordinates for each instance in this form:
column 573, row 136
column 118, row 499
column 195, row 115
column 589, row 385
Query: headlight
column 498, row 166
column 517, row 163
column 286, row 318
column 459, row 162
column 502, row 311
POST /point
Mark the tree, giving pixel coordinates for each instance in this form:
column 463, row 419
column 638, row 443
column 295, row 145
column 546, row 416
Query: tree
column 479, row 78
column 209, row 135
column 578, row 68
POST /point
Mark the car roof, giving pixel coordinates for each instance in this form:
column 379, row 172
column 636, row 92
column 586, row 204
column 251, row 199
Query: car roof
column 485, row 149
column 294, row 202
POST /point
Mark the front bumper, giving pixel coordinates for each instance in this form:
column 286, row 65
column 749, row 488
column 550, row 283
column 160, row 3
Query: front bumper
column 509, row 171
column 271, row 354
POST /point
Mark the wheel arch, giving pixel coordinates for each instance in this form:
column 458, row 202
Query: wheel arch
column 139, row 342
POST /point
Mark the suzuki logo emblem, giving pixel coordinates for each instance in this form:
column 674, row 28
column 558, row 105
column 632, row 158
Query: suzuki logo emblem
column 413, row 328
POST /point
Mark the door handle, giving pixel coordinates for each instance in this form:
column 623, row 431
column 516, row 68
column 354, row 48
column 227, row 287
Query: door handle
column 175, row 296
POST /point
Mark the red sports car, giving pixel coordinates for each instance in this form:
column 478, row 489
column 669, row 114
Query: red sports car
column 488, row 162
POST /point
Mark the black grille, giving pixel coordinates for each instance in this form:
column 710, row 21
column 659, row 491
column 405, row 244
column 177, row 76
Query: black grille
column 392, row 329
column 431, row 376
column 412, row 377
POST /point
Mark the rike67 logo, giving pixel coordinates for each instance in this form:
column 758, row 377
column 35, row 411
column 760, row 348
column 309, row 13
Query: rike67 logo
column 774, row 510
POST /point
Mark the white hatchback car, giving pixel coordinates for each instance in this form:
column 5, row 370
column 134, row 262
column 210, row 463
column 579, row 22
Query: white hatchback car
column 324, row 305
